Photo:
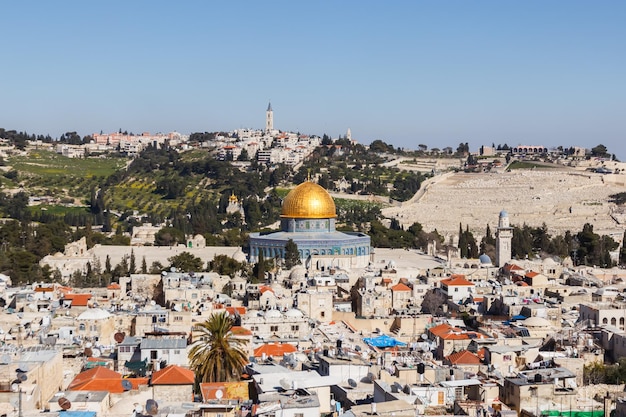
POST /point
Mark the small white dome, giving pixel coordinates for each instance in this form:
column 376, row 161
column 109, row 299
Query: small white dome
column 273, row 314
column 94, row 314
column 298, row 273
column 536, row 322
column 239, row 256
column 294, row 313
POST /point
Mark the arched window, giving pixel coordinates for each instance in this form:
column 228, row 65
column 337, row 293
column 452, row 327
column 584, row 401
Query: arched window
column 613, row 321
column 605, row 321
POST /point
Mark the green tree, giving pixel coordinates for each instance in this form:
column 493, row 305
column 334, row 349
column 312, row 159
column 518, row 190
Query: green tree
column 186, row 262
column 156, row 267
column 292, row 255
column 144, row 266
column 599, row 151
column 258, row 272
column 217, row 355
column 132, row 267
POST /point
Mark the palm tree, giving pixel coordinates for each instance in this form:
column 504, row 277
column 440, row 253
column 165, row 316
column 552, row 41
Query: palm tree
column 217, row 355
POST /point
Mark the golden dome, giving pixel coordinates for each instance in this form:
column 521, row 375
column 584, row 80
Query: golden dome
column 308, row 201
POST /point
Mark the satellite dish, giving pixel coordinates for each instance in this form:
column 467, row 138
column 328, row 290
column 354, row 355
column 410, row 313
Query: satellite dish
column 15, row 387
column 138, row 408
column 352, row 383
column 424, row 336
column 152, row 407
column 119, row 337
column 64, row 403
column 22, row 376
column 96, row 353
column 88, row 345
column 88, row 352
column 152, row 302
column 219, row 394
column 285, row 383
column 127, row 387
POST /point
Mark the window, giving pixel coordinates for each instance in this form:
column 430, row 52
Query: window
column 273, row 328
column 178, row 318
column 295, row 328
column 176, row 351
column 153, row 354
column 81, row 327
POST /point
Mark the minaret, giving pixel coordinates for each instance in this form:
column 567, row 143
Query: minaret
column 349, row 134
column 504, row 235
column 269, row 119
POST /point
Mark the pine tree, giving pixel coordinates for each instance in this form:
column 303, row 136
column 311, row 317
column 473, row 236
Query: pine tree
column 107, row 265
column 132, row 266
column 292, row 255
column 144, row 266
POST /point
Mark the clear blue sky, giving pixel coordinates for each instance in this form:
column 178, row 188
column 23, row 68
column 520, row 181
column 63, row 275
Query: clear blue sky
column 407, row 72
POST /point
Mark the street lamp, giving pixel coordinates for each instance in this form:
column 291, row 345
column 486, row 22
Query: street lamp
column 17, row 387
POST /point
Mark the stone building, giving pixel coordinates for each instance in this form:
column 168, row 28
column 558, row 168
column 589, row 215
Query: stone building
column 308, row 219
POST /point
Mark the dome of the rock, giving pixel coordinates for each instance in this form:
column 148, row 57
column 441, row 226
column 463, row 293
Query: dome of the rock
column 308, row 201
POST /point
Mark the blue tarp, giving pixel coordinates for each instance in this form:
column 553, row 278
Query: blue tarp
column 383, row 341
column 519, row 317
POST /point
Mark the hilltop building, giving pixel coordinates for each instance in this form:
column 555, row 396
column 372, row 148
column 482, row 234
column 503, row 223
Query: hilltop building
column 308, row 218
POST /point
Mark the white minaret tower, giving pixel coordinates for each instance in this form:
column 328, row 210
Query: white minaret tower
column 269, row 119
column 349, row 134
column 504, row 235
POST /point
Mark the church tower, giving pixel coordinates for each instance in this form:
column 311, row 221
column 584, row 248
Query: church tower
column 269, row 119
column 504, row 235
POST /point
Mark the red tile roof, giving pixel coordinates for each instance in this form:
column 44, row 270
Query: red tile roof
column 173, row 375
column 239, row 310
column 230, row 390
column 240, row 331
column 400, row 287
column 274, row 349
column 265, row 288
column 97, row 379
column 531, row 274
column 447, row 332
column 512, row 267
column 114, row 286
column 463, row 357
column 456, row 280
column 78, row 300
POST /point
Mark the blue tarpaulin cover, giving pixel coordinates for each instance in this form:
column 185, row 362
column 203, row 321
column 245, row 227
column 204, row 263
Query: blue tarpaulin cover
column 383, row 341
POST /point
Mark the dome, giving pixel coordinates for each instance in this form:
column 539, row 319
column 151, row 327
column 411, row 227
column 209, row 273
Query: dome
column 94, row 314
column 484, row 259
column 294, row 313
column 537, row 322
column 503, row 213
column 298, row 273
column 308, row 201
column 273, row 314
column 239, row 256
